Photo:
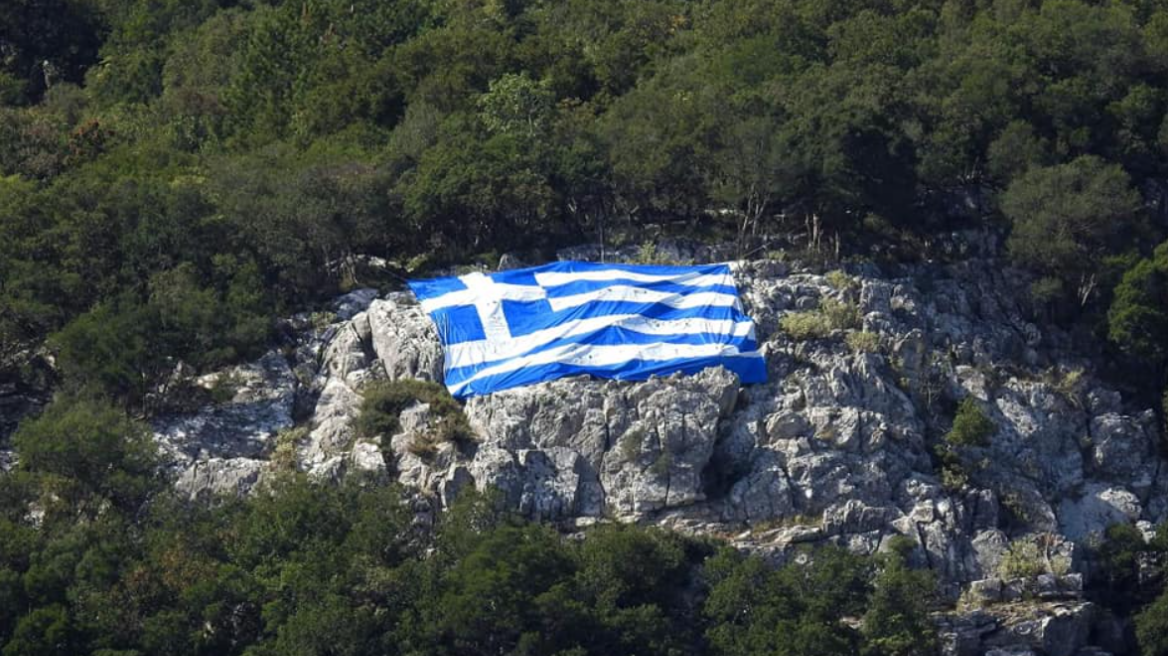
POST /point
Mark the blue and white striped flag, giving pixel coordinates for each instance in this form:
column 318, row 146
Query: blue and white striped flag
column 514, row 328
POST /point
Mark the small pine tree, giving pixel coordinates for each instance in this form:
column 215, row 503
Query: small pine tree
column 971, row 425
column 897, row 620
column 1152, row 628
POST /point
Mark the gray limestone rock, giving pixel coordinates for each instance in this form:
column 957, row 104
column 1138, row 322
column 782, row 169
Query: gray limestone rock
column 404, row 339
column 205, row 479
column 260, row 401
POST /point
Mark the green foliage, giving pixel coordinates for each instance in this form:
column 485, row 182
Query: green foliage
column 796, row 610
column 1152, row 627
column 1021, row 560
column 226, row 162
column 1138, row 318
column 954, row 473
column 120, row 347
column 1027, row 559
column 229, row 162
column 48, row 41
column 897, row 621
column 287, row 441
column 383, row 402
column 863, row 341
column 43, row 631
column 515, row 104
column 109, row 348
column 806, row 325
column 648, row 253
column 971, row 425
column 203, row 324
column 1117, row 576
column 832, row 315
column 841, row 315
column 1067, row 217
column 313, row 567
column 839, row 280
column 86, row 453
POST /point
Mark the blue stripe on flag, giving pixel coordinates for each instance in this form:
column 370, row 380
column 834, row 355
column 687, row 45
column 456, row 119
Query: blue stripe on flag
column 749, row 370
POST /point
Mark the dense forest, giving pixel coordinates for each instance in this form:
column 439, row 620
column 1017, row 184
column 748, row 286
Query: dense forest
column 175, row 174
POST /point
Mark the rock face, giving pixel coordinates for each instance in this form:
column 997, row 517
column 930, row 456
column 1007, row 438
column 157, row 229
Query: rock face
column 219, row 448
column 840, row 445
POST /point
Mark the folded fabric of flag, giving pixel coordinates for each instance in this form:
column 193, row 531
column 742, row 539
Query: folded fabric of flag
column 628, row 322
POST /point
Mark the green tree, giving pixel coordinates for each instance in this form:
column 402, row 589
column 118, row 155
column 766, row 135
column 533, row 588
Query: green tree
column 1118, row 571
column 658, row 137
column 484, row 606
column 896, row 621
column 43, row 631
column 971, row 425
column 752, row 171
column 88, row 453
column 109, row 349
column 515, row 104
column 797, row 610
column 1138, row 318
column 1152, row 627
column 1066, row 219
column 48, row 41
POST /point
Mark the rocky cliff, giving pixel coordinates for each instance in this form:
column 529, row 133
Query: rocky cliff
column 840, row 446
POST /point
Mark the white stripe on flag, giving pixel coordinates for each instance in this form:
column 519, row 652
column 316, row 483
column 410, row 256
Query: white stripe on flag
column 467, row 354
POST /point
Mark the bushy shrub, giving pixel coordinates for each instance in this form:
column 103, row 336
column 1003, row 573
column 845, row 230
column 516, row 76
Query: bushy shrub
column 1065, row 217
column 1152, row 628
column 863, row 341
column 287, row 441
column 971, row 425
column 839, row 280
column 383, row 402
column 753, row 610
column 1138, row 318
column 830, row 316
column 87, row 453
column 423, row 446
column 1026, row 559
column 897, row 621
column 805, row 325
column 1021, row 560
column 842, row 315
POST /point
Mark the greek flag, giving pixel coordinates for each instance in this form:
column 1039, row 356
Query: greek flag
column 513, row 328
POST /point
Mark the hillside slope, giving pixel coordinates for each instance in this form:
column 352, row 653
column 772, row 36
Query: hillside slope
column 851, row 442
